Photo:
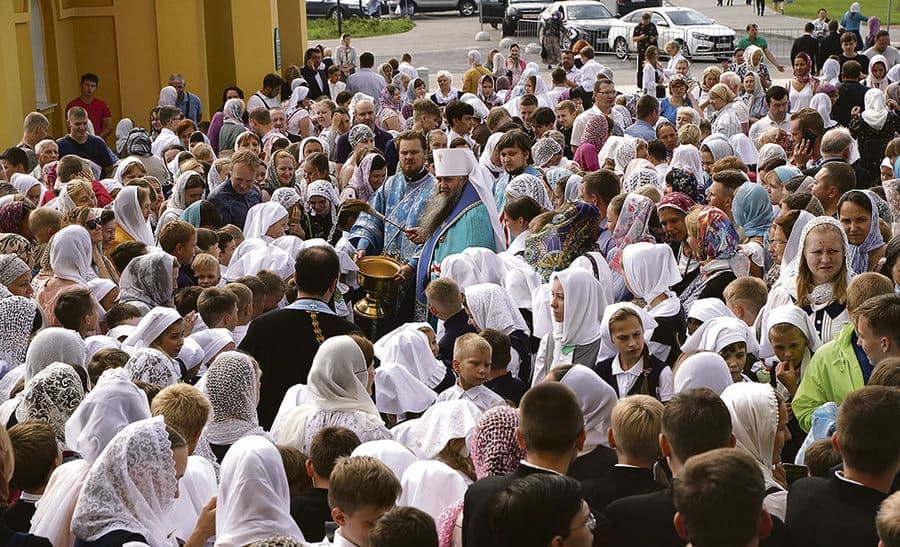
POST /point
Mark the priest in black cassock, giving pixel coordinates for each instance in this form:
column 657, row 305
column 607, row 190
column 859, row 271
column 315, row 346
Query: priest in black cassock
column 285, row 341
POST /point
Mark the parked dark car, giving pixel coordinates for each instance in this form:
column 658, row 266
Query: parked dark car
column 513, row 15
column 624, row 7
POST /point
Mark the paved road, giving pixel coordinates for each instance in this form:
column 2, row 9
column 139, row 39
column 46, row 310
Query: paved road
column 441, row 41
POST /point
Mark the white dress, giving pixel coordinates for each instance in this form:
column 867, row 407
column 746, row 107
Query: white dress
column 799, row 99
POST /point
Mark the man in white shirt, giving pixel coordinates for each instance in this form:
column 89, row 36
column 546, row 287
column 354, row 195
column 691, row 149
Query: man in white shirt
column 604, row 99
column 267, row 97
column 169, row 116
column 573, row 73
column 883, row 47
column 776, row 102
column 589, row 69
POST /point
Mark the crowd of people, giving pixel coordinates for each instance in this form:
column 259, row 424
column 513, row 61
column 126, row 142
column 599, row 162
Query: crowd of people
column 656, row 318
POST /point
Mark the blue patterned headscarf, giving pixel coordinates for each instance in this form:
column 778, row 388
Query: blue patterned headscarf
column 192, row 214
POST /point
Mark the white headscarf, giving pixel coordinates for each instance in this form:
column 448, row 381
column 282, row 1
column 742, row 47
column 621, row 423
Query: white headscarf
column 254, row 497
column 232, row 387
column 873, row 82
column 488, row 264
column 54, row 345
column 705, row 369
column 584, row 304
column 52, row 396
column 176, row 204
column 650, row 269
column 336, row 382
column 264, row 258
column 167, row 96
column 486, row 154
column 24, row 183
column 389, row 452
column 822, row 103
column 261, row 217
column 831, row 72
column 520, row 284
column 431, row 486
column 428, row 435
column 716, row 334
column 597, row 399
column 706, row 309
column 114, row 403
column 408, row 346
column 492, row 308
column 595, row 263
column 743, row 148
column 794, row 316
column 397, row 391
column 130, row 487
column 127, row 207
column 70, row 255
column 212, row 341
column 151, row 326
column 687, row 157
column 876, row 112
column 123, row 166
column 461, row 269
column 17, row 315
column 754, row 421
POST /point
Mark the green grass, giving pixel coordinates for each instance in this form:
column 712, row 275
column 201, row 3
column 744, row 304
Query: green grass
column 809, row 9
column 326, row 29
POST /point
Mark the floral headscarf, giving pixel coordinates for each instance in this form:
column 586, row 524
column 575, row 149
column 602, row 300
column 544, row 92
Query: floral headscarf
column 686, row 183
column 569, row 234
column 632, row 226
column 641, row 177
column 678, row 201
column 716, row 235
column 16, row 245
column 11, row 217
column 804, row 77
column 233, row 111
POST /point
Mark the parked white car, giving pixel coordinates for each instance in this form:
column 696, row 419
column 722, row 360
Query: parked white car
column 698, row 35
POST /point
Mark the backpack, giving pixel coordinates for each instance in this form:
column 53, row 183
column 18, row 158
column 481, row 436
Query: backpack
column 138, row 143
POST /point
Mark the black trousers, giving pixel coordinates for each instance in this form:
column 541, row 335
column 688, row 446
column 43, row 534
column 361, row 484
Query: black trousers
column 640, row 68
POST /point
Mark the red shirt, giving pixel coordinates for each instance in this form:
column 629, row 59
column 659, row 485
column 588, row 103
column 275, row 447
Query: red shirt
column 97, row 110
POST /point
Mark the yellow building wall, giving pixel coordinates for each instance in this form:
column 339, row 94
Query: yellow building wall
column 134, row 45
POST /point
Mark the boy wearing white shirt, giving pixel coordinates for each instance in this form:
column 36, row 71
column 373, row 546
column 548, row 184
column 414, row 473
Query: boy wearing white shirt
column 472, row 365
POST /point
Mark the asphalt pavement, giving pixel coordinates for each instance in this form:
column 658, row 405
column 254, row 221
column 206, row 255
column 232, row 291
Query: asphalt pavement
column 440, row 41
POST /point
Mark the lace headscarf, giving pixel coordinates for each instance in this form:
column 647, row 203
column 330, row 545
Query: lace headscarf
column 148, row 279
column 495, row 450
column 531, row 186
column 286, row 196
column 232, row 388
column 153, row 366
column 131, row 487
column 52, row 396
column 54, row 345
column 632, row 226
column 17, row 315
column 492, row 308
column 254, row 496
column 543, row 150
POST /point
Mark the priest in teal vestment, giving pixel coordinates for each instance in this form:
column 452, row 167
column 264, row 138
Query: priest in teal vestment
column 459, row 214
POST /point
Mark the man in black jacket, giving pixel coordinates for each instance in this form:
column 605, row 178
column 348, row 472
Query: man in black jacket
column 841, row 510
column 807, row 43
column 551, row 429
column 316, row 79
column 850, row 93
column 693, row 422
column 285, row 341
column 830, row 44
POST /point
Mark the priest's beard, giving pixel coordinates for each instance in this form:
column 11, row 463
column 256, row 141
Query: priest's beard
column 438, row 208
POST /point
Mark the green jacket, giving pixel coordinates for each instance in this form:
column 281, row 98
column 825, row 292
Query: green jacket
column 833, row 372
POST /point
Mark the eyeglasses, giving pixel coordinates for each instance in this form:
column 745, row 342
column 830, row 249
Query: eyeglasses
column 92, row 224
column 775, row 242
